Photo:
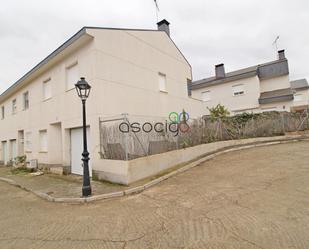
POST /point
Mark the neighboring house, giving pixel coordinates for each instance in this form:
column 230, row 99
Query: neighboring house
column 135, row 71
column 301, row 94
column 259, row 88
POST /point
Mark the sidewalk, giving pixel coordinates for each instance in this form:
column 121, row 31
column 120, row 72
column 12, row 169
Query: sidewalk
column 67, row 189
column 57, row 186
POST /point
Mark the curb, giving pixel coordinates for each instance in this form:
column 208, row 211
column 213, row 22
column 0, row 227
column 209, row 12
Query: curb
column 152, row 183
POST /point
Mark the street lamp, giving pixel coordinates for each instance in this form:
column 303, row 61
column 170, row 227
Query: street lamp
column 83, row 89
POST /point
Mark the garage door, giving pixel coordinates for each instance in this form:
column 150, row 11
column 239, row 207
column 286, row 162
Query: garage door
column 77, row 150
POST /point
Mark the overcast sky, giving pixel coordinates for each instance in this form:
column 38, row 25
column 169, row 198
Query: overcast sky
column 238, row 33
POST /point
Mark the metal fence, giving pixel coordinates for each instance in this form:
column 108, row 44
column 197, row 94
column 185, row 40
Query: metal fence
column 126, row 137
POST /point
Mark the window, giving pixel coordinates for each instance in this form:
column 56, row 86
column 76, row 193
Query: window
column 71, row 76
column 14, row 106
column 26, row 100
column 43, row 141
column 162, row 82
column 2, row 112
column 298, row 97
column 28, row 141
column 206, row 96
column 189, row 83
column 47, row 94
column 238, row 90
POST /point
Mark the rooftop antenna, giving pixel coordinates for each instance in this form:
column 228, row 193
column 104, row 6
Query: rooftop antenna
column 157, row 10
column 275, row 43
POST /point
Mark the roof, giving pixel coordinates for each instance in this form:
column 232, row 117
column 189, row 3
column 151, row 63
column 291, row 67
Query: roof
column 231, row 76
column 278, row 67
column 301, row 84
column 276, row 96
column 77, row 36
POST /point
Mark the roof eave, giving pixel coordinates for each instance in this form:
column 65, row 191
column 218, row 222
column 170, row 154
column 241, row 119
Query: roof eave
column 275, row 99
column 223, row 80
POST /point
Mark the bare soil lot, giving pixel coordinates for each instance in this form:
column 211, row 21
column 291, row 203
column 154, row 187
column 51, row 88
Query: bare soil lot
column 256, row 198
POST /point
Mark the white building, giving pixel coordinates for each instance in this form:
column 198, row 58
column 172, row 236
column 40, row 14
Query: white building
column 259, row 88
column 133, row 71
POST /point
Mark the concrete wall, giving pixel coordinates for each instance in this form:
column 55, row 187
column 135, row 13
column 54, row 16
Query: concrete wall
column 127, row 172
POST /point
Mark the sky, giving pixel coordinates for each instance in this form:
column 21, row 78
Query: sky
column 238, row 33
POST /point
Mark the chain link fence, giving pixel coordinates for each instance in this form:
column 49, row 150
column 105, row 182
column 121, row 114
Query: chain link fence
column 126, row 137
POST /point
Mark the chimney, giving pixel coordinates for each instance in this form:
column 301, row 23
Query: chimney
column 281, row 55
column 164, row 26
column 220, row 72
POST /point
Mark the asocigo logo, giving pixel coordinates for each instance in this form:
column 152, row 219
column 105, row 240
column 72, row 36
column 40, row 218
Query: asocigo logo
column 177, row 123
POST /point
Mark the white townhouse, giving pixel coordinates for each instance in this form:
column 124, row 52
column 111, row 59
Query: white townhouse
column 135, row 71
column 264, row 87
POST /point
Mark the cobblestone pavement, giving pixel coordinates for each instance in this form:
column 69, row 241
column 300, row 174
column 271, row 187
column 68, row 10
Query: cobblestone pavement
column 256, row 198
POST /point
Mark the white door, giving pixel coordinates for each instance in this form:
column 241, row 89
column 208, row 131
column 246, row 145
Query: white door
column 13, row 149
column 5, row 155
column 77, row 150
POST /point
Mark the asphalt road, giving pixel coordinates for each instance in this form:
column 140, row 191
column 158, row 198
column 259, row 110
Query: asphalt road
column 256, row 198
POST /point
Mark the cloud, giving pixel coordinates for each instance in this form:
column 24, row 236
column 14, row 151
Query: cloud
column 238, row 33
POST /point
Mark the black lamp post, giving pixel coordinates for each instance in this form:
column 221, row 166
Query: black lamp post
column 83, row 90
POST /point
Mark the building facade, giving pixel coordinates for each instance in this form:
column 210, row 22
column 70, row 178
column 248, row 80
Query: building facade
column 133, row 71
column 259, row 88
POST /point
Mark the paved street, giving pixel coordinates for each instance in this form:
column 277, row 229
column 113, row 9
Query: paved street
column 256, row 198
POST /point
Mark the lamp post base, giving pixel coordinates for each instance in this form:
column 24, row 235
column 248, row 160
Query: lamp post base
column 86, row 191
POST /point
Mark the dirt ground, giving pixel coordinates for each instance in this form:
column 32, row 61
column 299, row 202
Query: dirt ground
column 256, row 198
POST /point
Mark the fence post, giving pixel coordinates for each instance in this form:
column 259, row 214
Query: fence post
column 126, row 138
column 283, row 124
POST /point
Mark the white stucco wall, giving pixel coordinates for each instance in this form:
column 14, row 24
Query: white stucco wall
column 122, row 68
column 275, row 83
column 223, row 94
column 277, row 106
column 304, row 98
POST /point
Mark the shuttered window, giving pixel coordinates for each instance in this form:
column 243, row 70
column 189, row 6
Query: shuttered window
column 238, row 90
column 43, row 141
column 72, row 76
column 2, row 112
column 47, row 92
column 28, row 141
column 14, row 106
column 26, row 100
column 162, row 82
